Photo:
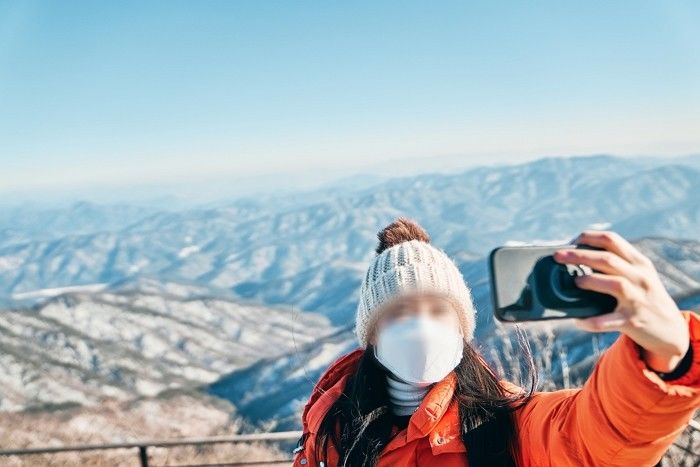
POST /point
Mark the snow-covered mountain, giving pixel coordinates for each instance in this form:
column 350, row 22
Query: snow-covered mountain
column 124, row 301
column 275, row 389
column 140, row 340
column 31, row 222
column 309, row 250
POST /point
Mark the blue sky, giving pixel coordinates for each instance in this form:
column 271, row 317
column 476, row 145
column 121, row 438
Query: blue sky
column 120, row 93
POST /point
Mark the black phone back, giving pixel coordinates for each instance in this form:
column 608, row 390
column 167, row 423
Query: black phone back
column 528, row 285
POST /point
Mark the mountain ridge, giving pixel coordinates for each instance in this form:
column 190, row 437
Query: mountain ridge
column 257, row 249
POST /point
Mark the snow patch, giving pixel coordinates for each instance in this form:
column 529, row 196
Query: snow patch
column 536, row 242
column 187, row 251
column 52, row 292
column 138, row 266
column 599, row 225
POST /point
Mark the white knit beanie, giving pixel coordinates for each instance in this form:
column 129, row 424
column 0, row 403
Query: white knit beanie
column 407, row 263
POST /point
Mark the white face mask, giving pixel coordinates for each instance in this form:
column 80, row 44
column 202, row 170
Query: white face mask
column 419, row 350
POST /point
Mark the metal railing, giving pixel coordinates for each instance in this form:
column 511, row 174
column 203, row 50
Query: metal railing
column 142, row 446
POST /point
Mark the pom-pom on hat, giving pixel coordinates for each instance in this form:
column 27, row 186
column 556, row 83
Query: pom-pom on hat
column 406, row 263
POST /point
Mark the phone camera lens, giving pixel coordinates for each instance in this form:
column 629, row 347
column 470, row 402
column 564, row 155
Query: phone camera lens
column 562, row 282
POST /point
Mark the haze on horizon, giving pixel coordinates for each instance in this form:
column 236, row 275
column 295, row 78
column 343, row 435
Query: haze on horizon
column 111, row 96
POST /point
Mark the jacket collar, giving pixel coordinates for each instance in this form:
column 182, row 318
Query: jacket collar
column 328, row 389
column 437, row 418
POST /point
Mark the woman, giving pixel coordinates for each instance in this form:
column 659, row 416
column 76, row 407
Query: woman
column 417, row 392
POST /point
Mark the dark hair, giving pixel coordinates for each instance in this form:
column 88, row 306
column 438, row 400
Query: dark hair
column 359, row 423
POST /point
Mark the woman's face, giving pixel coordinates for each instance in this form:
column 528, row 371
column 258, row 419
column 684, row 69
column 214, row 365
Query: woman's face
column 425, row 304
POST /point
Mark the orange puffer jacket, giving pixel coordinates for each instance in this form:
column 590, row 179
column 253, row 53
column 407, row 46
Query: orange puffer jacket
column 624, row 415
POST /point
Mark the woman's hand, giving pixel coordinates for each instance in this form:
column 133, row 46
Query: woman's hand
column 645, row 311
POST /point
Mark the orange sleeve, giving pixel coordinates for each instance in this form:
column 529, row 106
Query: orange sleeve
column 624, row 414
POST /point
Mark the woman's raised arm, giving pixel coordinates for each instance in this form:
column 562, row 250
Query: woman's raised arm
column 625, row 414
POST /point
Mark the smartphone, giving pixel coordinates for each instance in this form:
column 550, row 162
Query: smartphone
column 528, row 285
